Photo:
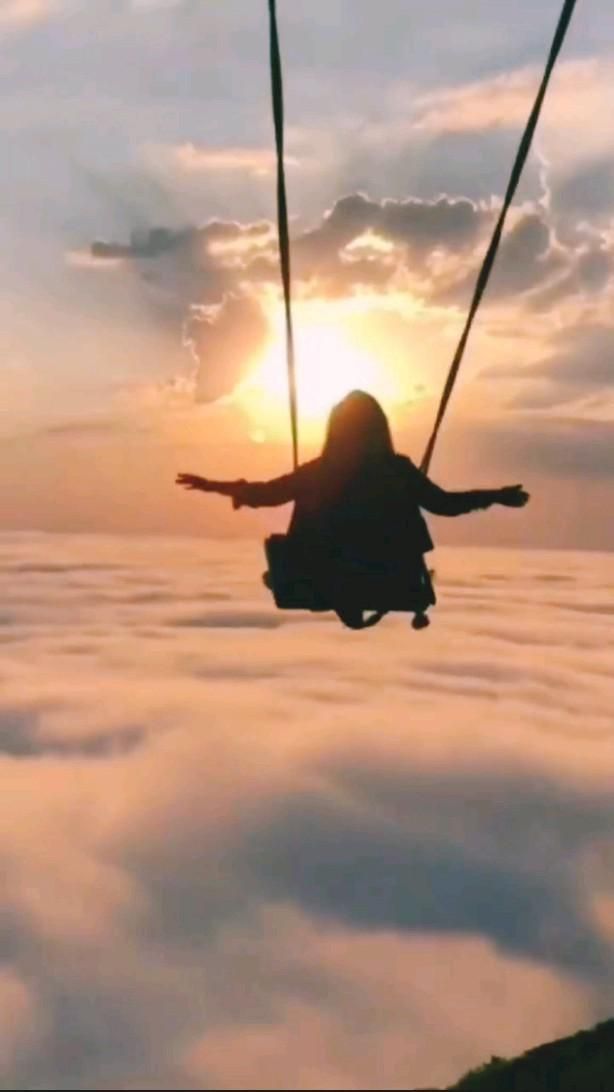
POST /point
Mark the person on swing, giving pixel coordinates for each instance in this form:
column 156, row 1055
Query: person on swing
column 359, row 500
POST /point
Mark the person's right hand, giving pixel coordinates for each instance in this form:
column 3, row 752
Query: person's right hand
column 190, row 481
column 513, row 496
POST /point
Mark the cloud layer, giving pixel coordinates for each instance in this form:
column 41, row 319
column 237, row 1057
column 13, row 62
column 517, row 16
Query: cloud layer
column 248, row 849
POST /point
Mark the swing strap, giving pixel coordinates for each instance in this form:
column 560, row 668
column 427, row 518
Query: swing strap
column 282, row 220
column 491, row 253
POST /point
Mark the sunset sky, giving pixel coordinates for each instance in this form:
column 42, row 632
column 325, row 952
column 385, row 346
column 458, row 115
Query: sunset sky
column 146, row 126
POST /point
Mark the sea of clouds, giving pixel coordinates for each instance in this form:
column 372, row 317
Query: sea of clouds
column 241, row 849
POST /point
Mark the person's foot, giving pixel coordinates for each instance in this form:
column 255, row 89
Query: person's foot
column 266, row 580
column 420, row 621
column 351, row 617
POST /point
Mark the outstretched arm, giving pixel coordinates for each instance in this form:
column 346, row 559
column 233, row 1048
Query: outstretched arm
column 245, row 494
column 447, row 503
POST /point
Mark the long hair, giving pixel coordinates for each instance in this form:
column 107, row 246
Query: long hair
column 358, row 433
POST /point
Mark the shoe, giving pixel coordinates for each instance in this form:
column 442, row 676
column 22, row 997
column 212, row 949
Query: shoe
column 420, row 621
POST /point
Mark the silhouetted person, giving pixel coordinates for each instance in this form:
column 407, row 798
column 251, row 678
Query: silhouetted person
column 359, row 502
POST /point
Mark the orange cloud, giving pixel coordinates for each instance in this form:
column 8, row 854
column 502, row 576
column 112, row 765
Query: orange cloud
column 258, row 161
column 20, row 12
column 505, row 99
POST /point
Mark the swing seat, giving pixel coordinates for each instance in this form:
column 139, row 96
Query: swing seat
column 358, row 585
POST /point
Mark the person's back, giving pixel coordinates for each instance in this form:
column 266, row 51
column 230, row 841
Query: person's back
column 371, row 514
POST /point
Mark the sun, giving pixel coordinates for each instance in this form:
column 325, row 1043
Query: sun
column 328, row 367
column 329, row 364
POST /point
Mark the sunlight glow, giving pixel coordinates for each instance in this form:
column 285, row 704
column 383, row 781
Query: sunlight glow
column 329, row 365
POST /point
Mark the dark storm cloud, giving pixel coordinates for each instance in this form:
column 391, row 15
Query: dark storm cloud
column 420, row 225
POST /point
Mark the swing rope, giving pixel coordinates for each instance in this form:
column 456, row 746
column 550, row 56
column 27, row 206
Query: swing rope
column 491, row 253
column 489, row 258
column 282, row 220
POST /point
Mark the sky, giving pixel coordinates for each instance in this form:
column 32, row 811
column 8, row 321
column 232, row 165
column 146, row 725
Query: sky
column 141, row 330
column 243, row 849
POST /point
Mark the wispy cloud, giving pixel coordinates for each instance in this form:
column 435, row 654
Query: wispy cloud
column 15, row 13
column 192, row 158
column 505, row 99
